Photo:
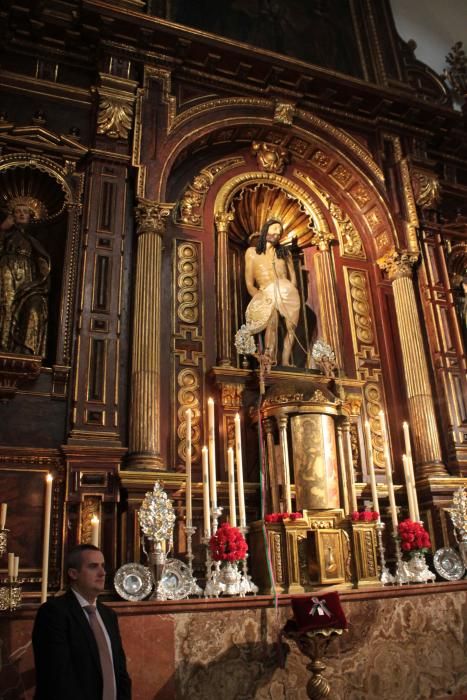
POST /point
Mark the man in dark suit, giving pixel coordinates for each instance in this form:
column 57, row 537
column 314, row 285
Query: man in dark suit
column 77, row 647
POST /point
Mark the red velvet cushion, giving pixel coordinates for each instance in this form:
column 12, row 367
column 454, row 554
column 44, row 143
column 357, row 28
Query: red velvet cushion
column 307, row 609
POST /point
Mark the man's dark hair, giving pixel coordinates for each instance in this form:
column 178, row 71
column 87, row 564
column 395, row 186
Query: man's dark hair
column 74, row 558
column 281, row 250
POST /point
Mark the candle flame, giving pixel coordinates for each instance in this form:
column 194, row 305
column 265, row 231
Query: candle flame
column 94, row 520
column 49, row 477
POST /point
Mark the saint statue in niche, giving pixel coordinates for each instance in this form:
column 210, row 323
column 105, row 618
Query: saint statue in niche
column 271, row 282
column 24, row 281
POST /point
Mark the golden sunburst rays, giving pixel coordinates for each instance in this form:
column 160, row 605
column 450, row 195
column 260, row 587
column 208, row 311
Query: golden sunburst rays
column 256, row 204
column 34, row 188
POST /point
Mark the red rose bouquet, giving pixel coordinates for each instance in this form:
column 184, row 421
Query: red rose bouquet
column 279, row 517
column 366, row 516
column 413, row 536
column 228, row 544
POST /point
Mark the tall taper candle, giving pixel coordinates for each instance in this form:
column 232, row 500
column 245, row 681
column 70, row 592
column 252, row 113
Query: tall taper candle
column 206, row 513
column 212, row 454
column 11, row 565
column 409, row 489
column 408, row 452
column 3, row 509
column 239, row 459
column 16, row 568
column 231, row 470
column 353, row 493
column 46, row 539
column 95, row 527
column 188, row 468
column 371, row 469
column 387, row 461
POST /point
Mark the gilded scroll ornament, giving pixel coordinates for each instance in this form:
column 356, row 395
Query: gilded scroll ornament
column 188, row 397
column 90, row 508
column 368, row 363
column 231, row 396
column 187, row 283
column 115, row 116
column 284, row 113
column 350, row 238
column 271, row 157
column 426, row 189
column 398, row 264
column 152, row 217
column 190, row 209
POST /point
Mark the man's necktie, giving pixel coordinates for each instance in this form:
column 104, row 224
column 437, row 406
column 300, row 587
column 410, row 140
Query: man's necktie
column 104, row 654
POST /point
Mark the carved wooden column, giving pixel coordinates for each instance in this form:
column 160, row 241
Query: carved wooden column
column 423, row 425
column 224, row 343
column 325, row 280
column 144, row 437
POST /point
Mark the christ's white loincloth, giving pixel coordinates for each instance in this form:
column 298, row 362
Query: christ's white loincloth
column 281, row 296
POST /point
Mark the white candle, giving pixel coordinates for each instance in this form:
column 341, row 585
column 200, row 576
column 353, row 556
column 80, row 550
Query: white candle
column 212, row 454
column 343, row 470
column 371, row 468
column 231, row 472
column 387, row 461
column 353, row 493
column 16, row 568
column 46, row 539
column 11, row 565
column 95, row 530
column 239, row 459
column 408, row 451
column 206, row 513
column 3, row 509
column 408, row 486
column 188, row 468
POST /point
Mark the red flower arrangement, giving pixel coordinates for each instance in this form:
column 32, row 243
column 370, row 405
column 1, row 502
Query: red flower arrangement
column 228, row 544
column 279, row 517
column 413, row 536
column 366, row 516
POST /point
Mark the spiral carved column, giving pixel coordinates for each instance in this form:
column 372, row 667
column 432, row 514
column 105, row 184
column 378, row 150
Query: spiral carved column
column 144, row 437
column 224, row 349
column 330, row 319
column 423, row 424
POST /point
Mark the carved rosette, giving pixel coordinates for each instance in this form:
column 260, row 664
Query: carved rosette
column 271, row 157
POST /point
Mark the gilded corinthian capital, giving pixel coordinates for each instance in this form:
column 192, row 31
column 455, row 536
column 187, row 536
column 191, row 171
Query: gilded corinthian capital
column 223, row 221
column 152, row 217
column 398, row 263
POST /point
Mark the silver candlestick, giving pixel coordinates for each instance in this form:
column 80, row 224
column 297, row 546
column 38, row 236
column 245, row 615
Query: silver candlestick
column 246, row 582
column 215, row 515
column 385, row 577
column 190, row 531
column 214, row 586
column 401, row 576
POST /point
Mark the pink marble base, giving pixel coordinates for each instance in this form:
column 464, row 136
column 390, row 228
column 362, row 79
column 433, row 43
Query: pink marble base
column 403, row 643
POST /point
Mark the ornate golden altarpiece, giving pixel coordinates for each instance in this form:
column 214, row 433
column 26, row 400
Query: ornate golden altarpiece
column 163, row 149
